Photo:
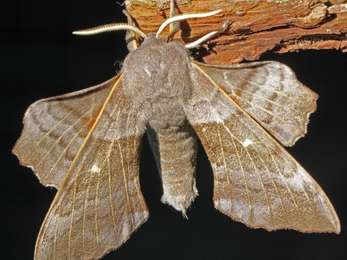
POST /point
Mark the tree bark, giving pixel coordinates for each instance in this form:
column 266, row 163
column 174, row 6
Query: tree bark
column 257, row 27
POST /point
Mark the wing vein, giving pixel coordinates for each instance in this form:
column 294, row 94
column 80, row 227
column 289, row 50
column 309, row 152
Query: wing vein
column 96, row 216
column 47, row 133
column 58, row 139
column 255, row 168
column 226, row 169
column 72, row 219
column 270, row 175
column 114, row 221
column 56, row 232
column 259, row 86
column 261, row 97
column 280, row 119
column 126, row 184
column 244, row 177
column 286, row 184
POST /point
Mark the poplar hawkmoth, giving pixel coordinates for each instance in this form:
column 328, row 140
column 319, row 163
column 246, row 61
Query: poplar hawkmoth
column 87, row 145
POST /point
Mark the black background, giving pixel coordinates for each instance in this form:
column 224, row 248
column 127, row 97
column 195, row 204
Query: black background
column 39, row 57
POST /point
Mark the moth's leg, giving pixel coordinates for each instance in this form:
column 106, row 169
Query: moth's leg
column 175, row 151
column 175, row 26
column 132, row 39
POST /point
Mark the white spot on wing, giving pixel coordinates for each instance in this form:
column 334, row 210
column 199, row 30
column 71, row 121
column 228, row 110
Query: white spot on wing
column 246, row 143
column 95, row 169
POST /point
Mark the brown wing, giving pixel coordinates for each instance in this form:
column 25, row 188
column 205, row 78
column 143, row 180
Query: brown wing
column 99, row 202
column 55, row 128
column 270, row 93
column 255, row 180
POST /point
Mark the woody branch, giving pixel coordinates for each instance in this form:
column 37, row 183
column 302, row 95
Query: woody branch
column 257, row 27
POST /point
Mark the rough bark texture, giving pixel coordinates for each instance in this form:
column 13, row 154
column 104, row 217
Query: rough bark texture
column 257, row 27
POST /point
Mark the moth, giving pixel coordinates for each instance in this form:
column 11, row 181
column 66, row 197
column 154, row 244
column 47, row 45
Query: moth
column 87, row 145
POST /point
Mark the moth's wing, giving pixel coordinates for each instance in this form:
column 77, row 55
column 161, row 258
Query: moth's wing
column 99, row 203
column 55, row 128
column 270, row 93
column 255, row 180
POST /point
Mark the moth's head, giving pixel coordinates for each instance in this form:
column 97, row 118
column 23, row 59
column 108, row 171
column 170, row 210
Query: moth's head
column 135, row 36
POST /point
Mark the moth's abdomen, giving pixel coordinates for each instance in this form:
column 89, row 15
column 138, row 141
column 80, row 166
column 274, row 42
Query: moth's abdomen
column 175, row 150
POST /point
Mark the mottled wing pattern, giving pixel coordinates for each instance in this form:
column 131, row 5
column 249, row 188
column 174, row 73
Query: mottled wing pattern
column 270, row 93
column 255, row 180
column 55, row 128
column 99, row 202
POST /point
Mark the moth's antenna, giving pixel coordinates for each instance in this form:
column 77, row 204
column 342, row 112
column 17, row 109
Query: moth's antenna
column 131, row 38
column 208, row 36
column 183, row 17
column 109, row 28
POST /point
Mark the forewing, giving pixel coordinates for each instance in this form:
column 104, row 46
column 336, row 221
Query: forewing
column 255, row 180
column 270, row 93
column 55, row 128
